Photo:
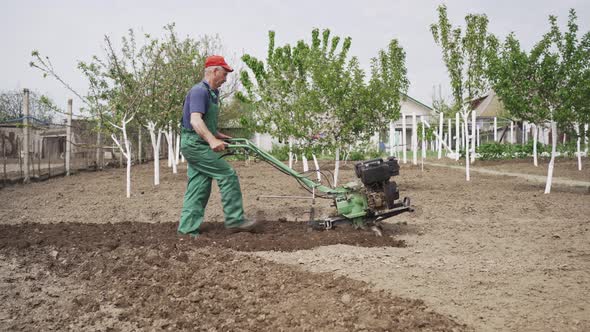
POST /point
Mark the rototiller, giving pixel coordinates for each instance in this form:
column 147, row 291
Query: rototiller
column 364, row 206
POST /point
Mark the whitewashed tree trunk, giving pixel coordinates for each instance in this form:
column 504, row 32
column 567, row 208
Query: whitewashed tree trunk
column 579, row 151
column 151, row 126
column 305, row 164
column 586, row 128
column 473, row 135
column 450, row 137
column 257, row 139
column 552, row 162
column 177, row 150
column 440, row 133
column 449, row 150
column 404, row 139
column 391, row 136
column 139, row 146
column 466, row 130
column 463, row 136
column 169, row 140
column 99, row 152
column 125, row 149
column 457, row 136
column 423, row 141
column 511, row 132
column 535, row 136
column 290, row 153
column 414, row 140
column 317, row 168
column 336, row 166
column 346, row 154
column 171, row 153
column 495, row 129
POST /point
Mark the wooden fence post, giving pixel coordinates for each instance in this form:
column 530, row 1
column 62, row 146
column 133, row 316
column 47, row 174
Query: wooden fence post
column 26, row 133
column 68, row 137
column 4, row 159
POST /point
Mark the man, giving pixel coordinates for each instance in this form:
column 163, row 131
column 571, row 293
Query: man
column 199, row 144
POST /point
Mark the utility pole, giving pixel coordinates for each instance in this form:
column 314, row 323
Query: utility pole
column 26, row 131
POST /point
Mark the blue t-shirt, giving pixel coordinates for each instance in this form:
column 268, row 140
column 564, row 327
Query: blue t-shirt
column 197, row 101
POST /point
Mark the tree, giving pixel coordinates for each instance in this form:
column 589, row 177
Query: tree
column 464, row 56
column 316, row 94
column 547, row 84
column 117, row 84
column 11, row 106
column 178, row 65
column 388, row 84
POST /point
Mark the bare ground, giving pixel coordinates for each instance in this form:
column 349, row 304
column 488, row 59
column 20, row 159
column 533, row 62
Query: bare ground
column 493, row 254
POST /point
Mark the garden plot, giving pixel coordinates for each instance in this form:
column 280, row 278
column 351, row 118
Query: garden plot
column 491, row 254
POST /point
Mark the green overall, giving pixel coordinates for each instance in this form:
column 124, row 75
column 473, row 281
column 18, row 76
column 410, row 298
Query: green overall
column 204, row 165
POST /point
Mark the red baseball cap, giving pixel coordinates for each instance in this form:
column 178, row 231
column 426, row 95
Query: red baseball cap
column 217, row 60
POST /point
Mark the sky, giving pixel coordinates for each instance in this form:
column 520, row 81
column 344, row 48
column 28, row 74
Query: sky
column 70, row 31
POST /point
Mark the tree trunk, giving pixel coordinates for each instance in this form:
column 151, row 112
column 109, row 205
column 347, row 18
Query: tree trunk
column 535, row 136
column 391, row 138
column 552, row 162
column 457, row 136
column 336, row 166
column 414, row 140
column 177, row 152
column 465, row 128
column 99, row 150
column 317, row 168
column 440, row 133
column 156, row 150
column 579, row 152
column 404, row 139
column 139, row 147
column 423, row 142
column 473, row 135
column 450, row 133
column 290, row 153
column 495, row 129
column 171, row 153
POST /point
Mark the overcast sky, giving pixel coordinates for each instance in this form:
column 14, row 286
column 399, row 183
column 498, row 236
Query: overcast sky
column 68, row 31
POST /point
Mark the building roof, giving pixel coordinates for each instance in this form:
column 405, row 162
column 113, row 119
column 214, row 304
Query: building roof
column 489, row 106
column 416, row 101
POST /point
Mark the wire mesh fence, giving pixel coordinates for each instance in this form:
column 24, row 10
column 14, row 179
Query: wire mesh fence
column 90, row 151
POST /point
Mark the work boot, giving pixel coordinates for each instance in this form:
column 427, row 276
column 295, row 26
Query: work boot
column 248, row 225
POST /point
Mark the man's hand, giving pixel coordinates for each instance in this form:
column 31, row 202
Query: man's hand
column 217, row 145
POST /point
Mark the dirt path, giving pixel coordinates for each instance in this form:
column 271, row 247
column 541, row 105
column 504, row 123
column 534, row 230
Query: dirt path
column 584, row 185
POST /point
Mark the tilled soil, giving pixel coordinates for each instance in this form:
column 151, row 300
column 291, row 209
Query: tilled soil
column 278, row 236
column 132, row 276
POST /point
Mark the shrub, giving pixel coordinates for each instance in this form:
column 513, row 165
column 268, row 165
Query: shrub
column 496, row 151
